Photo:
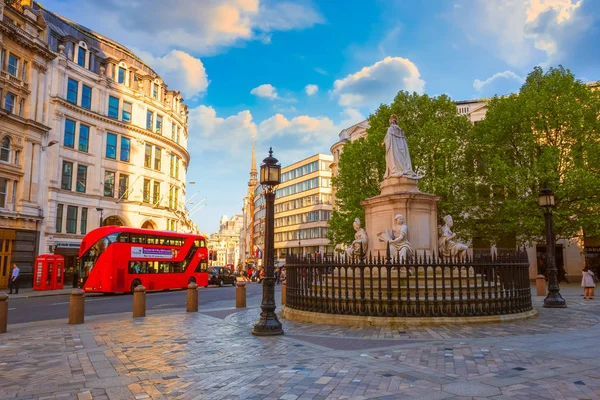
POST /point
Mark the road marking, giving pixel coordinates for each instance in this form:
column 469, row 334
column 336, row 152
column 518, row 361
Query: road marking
column 162, row 305
column 10, row 309
column 58, row 304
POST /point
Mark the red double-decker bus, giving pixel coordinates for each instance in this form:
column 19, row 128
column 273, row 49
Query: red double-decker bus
column 115, row 259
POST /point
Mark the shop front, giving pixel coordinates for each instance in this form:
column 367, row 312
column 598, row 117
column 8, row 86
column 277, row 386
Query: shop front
column 70, row 252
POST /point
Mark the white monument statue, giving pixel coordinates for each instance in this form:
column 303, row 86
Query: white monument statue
column 447, row 246
column 360, row 237
column 397, row 238
column 397, row 158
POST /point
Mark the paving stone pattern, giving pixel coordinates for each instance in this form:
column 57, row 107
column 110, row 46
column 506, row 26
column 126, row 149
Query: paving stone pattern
column 212, row 355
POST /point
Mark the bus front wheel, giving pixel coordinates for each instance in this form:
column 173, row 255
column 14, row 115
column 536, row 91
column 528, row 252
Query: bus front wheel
column 134, row 284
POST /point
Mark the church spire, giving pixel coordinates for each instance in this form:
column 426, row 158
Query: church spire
column 253, row 173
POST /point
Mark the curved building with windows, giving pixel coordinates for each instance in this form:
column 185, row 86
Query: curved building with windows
column 116, row 151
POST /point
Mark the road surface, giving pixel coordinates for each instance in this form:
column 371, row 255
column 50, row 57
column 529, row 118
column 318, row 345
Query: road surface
column 56, row 307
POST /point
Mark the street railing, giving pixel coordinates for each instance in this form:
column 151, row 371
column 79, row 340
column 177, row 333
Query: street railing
column 420, row 286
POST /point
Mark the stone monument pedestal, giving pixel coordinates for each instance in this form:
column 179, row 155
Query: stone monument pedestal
column 401, row 195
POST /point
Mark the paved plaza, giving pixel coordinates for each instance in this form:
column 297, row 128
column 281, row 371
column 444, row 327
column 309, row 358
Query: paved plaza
column 212, row 355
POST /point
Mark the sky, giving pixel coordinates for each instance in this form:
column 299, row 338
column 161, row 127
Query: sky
column 293, row 74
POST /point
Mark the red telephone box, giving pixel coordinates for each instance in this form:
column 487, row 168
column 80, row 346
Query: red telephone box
column 49, row 272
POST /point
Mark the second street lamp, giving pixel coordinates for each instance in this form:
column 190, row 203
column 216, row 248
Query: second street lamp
column 268, row 324
column 554, row 299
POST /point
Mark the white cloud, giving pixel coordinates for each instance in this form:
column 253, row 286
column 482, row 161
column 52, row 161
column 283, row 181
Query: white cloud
column 378, row 83
column 350, row 116
column 180, row 71
column 516, row 28
column 500, row 76
column 311, row 89
column 266, row 90
column 308, row 129
column 201, row 27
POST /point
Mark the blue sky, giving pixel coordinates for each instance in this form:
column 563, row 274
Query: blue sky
column 292, row 74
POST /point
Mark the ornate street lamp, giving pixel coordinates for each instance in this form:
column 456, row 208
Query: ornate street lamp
column 270, row 177
column 554, row 299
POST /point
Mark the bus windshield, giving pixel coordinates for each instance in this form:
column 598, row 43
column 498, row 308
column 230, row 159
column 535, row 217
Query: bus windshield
column 88, row 260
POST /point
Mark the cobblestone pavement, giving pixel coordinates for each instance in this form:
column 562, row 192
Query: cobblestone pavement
column 212, row 355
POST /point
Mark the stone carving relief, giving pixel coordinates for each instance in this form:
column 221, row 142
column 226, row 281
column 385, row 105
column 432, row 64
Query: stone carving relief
column 397, row 238
column 448, row 246
column 361, row 241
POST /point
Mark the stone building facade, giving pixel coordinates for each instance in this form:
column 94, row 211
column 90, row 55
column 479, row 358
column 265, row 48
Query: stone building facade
column 226, row 243
column 24, row 125
column 247, row 248
column 115, row 153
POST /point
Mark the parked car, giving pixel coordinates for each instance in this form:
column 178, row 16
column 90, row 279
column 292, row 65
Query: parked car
column 221, row 276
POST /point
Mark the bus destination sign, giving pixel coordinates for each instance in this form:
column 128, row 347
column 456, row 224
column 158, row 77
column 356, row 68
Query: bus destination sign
column 144, row 252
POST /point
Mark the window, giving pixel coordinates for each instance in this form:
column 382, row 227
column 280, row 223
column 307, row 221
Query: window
column 83, row 224
column 81, row 57
column 69, row 136
column 121, row 75
column 148, row 156
column 5, row 149
column 154, row 90
column 171, row 192
column 123, row 186
column 177, row 136
column 109, row 184
column 71, row 219
column 67, row 175
column 172, row 165
column 126, row 112
column 86, row 97
column 3, row 186
column 176, row 168
column 125, row 146
column 24, row 72
column 111, row 146
column 84, row 137
column 156, row 193
column 146, row 193
column 81, row 178
column 159, row 121
column 13, row 65
column 149, row 120
column 157, row 156
column 9, row 102
column 2, row 58
column 21, row 107
column 173, row 131
column 72, row 89
column 113, row 107
column 59, row 217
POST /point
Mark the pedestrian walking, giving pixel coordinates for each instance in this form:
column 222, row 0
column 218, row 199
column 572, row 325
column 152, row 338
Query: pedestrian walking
column 278, row 276
column 588, row 283
column 14, row 280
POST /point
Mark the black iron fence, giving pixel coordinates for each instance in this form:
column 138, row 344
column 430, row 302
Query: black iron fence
column 421, row 286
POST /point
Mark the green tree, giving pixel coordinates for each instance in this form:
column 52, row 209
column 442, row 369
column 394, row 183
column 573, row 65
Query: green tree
column 548, row 134
column 437, row 139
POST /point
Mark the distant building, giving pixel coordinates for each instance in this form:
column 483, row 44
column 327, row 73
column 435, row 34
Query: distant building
column 247, row 248
column 225, row 243
column 303, row 206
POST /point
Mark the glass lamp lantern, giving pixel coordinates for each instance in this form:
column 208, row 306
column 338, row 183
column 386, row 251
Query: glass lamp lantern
column 546, row 198
column 270, row 171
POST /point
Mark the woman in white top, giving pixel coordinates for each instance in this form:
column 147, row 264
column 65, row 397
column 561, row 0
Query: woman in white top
column 588, row 284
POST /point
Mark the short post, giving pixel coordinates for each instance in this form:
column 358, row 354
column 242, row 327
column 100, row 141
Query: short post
column 540, row 285
column 192, row 298
column 3, row 312
column 139, row 302
column 240, row 295
column 283, row 290
column 76, row 307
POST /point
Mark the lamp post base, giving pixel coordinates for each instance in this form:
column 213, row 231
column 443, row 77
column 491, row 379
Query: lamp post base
column 268, row 325
column 554, row 300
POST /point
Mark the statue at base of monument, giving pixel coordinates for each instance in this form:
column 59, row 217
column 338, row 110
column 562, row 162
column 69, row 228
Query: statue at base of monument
column 361, row 241
column 447, row 245
column 397, row 238
column 397, row 157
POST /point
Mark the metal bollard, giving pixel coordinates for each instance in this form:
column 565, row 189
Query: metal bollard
column 139, row 302
column 240, row 295
column 192, row 298
column 76, row 307
column 3, row 312
column 540, row 285
column 283, row 292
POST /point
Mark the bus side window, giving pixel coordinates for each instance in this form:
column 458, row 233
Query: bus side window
column 151, row 240
column 202, row 266
column 123, row 237
column 137, row 238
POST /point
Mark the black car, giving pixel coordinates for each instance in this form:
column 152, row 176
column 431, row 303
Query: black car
column 221, row 276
